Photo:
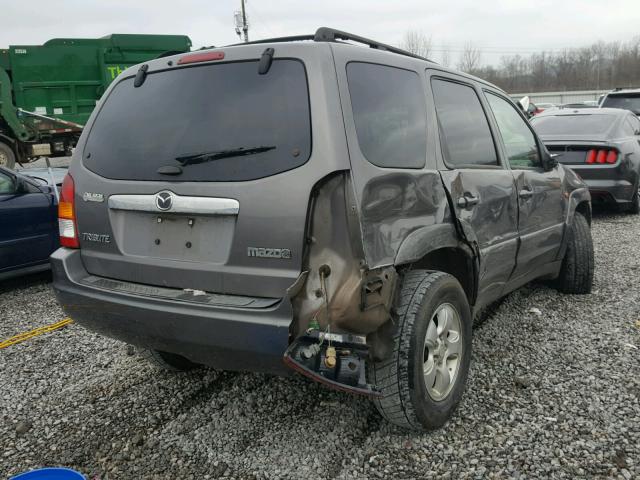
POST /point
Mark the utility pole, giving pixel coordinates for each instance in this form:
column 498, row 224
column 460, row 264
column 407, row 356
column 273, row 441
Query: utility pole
column 242, row 26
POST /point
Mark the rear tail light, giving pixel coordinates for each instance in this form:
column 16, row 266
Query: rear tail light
column 67, row 214
column 601, row 156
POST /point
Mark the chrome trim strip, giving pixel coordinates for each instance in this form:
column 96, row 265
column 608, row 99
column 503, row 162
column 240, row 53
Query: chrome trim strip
column 179, row 204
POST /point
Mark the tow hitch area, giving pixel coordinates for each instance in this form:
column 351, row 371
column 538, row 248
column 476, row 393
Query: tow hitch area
column 335, row 360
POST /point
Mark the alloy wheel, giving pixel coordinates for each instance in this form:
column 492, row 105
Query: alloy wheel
column 442, row 351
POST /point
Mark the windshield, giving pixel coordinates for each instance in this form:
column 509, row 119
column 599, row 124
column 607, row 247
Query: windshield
column 191, row 112
column 573, row 124
column 627, row 101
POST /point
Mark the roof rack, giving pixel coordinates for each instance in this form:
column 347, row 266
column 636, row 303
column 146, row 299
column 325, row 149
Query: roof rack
column 326, row 34
column 292, row 38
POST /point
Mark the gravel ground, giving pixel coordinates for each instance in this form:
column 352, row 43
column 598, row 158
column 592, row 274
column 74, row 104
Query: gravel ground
column 553, row 392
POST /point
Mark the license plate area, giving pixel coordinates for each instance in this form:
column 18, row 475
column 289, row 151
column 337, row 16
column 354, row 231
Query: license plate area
column 185, row 237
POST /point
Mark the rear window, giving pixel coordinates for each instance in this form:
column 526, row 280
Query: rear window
column 573, row 124
column 626, row 101
column 194, row 117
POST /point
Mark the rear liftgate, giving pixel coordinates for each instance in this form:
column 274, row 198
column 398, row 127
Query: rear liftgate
column 339, row 304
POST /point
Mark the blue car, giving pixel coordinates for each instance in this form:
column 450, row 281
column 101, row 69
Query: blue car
column 28, row 220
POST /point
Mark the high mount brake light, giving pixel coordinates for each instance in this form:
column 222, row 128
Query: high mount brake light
column 67, row 214
column 200, row 57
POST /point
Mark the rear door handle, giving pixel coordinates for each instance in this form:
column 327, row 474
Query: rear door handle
column 525, row 193
column 467, row 200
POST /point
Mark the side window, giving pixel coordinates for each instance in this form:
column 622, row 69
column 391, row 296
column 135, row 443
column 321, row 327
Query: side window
column 389, row 113
column 519, row 141
column 7, row 184
column 464, row 131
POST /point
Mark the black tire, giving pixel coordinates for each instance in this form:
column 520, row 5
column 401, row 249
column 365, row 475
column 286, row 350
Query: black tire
column 168, row 361
column 7, row 156
column 576, row 273
column 406, row 401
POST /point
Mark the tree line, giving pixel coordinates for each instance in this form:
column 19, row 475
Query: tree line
column 600, row 66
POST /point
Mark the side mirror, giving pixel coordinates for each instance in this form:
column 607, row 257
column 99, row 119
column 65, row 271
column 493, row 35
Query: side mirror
column 21, row 186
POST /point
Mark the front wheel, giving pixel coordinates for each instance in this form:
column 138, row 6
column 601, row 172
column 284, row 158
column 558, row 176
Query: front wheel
column 423, row 379
column 576, row 273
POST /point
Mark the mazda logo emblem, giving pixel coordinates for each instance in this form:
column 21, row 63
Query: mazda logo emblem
column 164, row 201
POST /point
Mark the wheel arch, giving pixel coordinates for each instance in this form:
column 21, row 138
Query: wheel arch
column 584, row 207
column 437, row 247
column 579, row 201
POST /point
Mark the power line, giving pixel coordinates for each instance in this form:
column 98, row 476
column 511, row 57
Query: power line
column 254, row 13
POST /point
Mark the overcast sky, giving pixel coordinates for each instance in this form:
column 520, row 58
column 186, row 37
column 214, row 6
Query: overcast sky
column 498, row 27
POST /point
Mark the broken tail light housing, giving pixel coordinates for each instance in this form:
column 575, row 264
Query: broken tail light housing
column 67, row 214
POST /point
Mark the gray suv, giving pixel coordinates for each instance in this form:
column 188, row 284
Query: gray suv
column 625, row 98
column 306, row 204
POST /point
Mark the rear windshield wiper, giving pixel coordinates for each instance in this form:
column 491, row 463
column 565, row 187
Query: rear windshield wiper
column 210, row 156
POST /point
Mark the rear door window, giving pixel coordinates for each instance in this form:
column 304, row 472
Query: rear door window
column 464, row 130
column 389, row 113
column 187, row 117
column 519, row 141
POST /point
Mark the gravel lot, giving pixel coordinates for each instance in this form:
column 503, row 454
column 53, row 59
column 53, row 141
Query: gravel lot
column 552, row 393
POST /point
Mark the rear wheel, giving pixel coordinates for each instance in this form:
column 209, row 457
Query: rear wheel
column 423, row 379
column 168, row 361
column 576, row 273
column 7, row 157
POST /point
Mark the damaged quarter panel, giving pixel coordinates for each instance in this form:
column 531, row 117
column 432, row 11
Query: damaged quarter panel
column 400, row 192
column 398, row 206
column 338, row 291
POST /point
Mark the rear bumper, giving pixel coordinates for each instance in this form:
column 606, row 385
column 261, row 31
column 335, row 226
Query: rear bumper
column 609, row 183
column 610, row 191
column 230, row 338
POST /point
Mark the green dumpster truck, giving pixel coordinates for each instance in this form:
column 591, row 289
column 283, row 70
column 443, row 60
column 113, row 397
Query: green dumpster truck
column 47, row 92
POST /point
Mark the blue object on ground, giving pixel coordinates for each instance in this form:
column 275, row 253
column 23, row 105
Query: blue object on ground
column 50, row 474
